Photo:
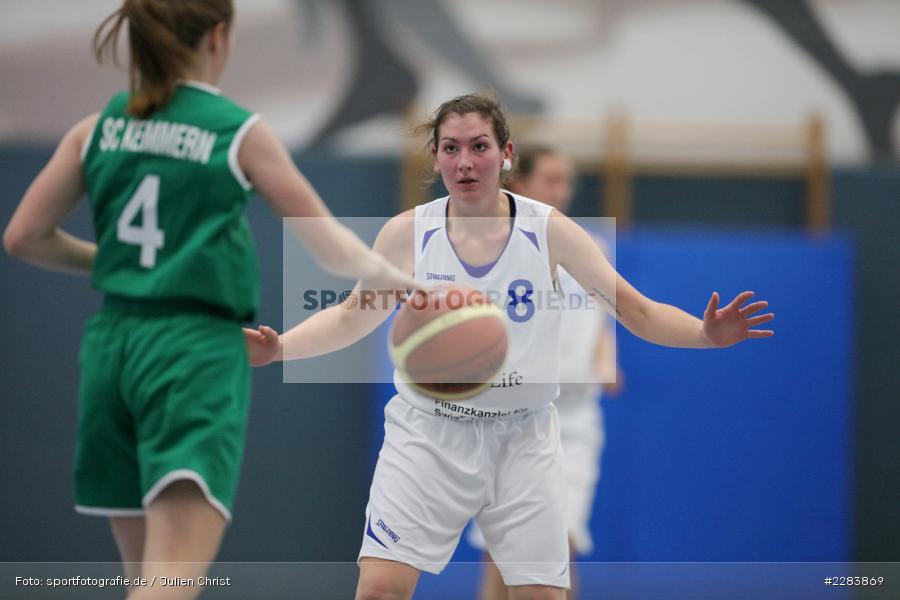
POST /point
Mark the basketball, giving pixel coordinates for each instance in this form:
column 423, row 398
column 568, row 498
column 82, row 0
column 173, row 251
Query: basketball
column 448, row 342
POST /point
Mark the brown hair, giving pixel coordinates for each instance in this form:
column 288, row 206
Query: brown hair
column 487, row 107
column 162, row 35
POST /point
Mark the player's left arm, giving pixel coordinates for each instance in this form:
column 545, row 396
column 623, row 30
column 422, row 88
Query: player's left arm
column 664, row 324
column 33, row 232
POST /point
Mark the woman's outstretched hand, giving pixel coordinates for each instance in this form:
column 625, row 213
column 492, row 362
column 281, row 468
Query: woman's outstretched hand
column 263, row 345
column 731, row 324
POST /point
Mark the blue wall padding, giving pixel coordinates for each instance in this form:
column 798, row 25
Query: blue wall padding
column 741, row 454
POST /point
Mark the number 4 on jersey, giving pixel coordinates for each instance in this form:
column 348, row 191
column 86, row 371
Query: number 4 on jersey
column 147, row 236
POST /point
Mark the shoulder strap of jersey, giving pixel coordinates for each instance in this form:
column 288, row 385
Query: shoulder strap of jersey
column 429, row 220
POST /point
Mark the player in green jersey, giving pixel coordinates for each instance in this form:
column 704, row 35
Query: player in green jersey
column 168, row 168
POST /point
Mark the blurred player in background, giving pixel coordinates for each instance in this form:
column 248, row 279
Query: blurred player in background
column 495, row 457
column 587, row 364
column 168, row 168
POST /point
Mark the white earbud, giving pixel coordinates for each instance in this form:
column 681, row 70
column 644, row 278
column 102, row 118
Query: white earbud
column 507, row 165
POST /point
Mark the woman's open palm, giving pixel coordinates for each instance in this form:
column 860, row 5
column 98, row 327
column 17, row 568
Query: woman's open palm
column 733, row 323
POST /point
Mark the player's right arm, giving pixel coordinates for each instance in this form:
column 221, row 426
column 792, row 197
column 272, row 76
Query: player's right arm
column 33, row 232
column 269, row 167
column 339, row 326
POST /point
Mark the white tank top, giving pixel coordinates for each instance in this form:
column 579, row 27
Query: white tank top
column 520, row 282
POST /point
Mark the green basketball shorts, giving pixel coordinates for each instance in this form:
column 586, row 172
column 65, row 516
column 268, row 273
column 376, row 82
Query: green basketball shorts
column 163, row 397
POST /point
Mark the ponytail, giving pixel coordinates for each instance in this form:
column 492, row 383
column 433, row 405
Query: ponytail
column 163, row 36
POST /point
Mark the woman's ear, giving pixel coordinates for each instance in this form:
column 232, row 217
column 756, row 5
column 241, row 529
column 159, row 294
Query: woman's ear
column 218, row 37
column 507, row 157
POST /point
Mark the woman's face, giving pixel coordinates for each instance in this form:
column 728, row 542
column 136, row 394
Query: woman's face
column 468, row 156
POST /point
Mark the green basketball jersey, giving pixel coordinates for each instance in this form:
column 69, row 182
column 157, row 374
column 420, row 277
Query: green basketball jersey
column 168, row 197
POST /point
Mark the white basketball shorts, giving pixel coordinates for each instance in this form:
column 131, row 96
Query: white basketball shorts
column 434, row 474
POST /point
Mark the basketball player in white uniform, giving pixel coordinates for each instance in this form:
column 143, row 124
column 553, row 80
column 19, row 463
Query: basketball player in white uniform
column 587, row 363
column 495, row 457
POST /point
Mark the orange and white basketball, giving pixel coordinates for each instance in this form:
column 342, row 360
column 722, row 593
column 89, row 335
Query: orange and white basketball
column 449, row 342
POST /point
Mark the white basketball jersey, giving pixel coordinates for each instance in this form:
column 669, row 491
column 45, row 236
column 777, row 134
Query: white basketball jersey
column 520, row 282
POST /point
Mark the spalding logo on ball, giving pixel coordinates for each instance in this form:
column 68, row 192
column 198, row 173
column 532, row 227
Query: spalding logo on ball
column 449, row 342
